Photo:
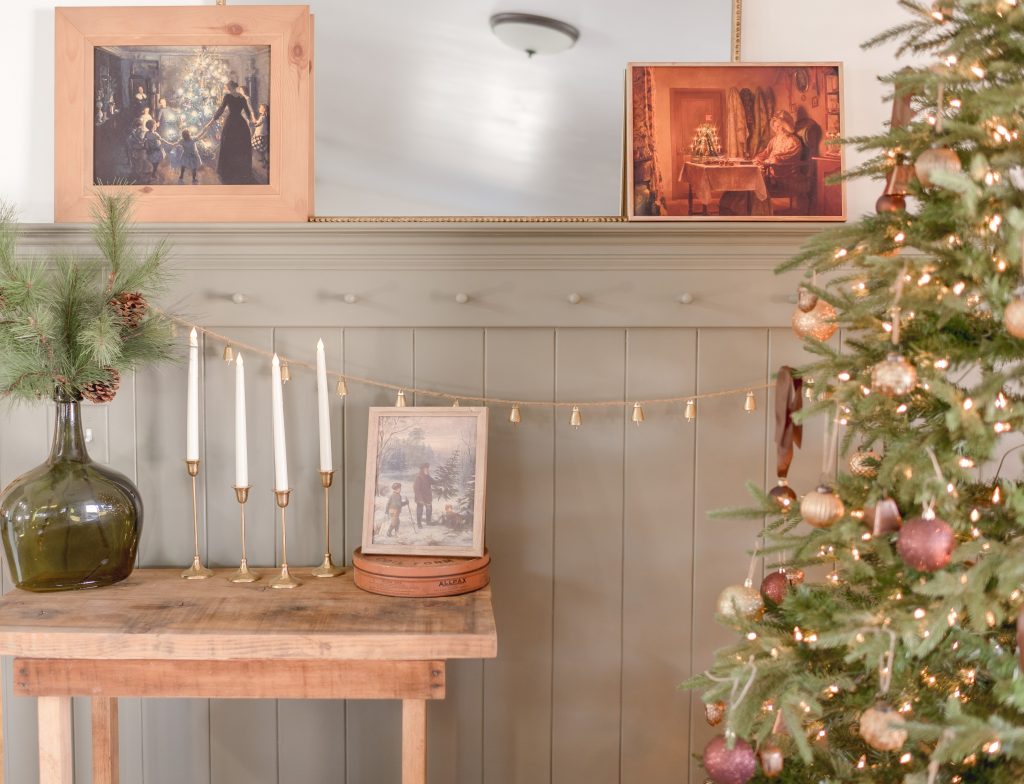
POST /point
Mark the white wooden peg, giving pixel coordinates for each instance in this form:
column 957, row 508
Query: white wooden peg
column 239, row 298
column 462, row 298
column 574, row 299
column 685, row 298
column 350, row 299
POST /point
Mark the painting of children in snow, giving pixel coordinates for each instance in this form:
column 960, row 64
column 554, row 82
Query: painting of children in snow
column 425, row 480
column 181, row 115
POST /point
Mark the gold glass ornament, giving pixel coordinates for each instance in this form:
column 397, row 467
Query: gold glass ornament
column 515, row 416
column 821, row 507
column 772, row 760
column 576, row 418
column 893, row 376
column 864, row 463
column 714, row 712
column 740, row 601
column 883, row 728
column 638, row 413
column 935, row 160
column 229, row 354
column 1013, row 317
column 342, row 388
column 818, row 322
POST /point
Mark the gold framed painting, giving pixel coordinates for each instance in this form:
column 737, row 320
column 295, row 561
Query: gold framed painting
column 204, row 113
column 734, row 142
column 426, row 476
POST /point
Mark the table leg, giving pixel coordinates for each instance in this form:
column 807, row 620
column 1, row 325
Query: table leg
column 56, row 760
column 414, row 741
column 689, row 200
column 105, row 741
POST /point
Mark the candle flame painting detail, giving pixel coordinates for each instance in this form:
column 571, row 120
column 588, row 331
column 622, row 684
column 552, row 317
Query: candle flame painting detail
column 425, row 481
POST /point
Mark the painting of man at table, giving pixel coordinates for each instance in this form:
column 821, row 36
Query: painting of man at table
column 735, row 142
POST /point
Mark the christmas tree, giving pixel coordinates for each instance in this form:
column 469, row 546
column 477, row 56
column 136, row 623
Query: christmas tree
column 198, row 98
column 902, row 663
column 705, row 142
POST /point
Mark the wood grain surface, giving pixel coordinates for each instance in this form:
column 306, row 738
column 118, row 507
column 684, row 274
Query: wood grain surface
column 156, row 615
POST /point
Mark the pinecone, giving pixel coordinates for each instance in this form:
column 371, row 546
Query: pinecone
column 101, row 392
column 131, row 306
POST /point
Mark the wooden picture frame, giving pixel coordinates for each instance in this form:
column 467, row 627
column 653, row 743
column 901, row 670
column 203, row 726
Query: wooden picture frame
column 286, row 30
column 449, row 447
column 674, row 174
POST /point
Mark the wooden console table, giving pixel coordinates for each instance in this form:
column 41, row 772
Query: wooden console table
column 156, row 635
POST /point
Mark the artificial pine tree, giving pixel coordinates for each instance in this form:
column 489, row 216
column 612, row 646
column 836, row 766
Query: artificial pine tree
column 902, row 664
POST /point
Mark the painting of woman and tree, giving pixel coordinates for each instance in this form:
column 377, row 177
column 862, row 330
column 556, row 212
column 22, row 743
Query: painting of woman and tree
column 735, row 142
column 425, row 478
column 181, row 115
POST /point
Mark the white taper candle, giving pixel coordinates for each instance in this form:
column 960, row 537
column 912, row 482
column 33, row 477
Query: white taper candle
column 280, row 450
column 192, row 408
column 241, row 436
column 324, row 408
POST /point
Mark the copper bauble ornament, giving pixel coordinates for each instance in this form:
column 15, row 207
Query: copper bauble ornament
column 864, row 463
column 795, row 576
column 818, row 322
column 783, row 494
column 714, row 712
column 888, row 203
column 1013, row 318
column 935, row 160
column 740, row 601
column 926, row 543
column 882, row 728
column 893, row 376
column 774, row 588
column 729, row 766
column 821, row 507
column 772, row 760
column 883, row 518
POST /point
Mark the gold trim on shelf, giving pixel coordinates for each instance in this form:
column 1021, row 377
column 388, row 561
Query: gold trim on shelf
column 467, row 219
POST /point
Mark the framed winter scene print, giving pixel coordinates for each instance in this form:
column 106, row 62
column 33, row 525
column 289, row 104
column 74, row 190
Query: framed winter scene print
column 734, row 141
column 203, row 113
column 426, row 474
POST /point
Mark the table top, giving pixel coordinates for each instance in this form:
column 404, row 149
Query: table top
column 154, row 614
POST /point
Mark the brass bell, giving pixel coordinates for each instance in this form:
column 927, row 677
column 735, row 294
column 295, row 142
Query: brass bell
column 400, row 399
column 638, row 413
column 750, row 403
column 229, row 354
column 341, row 388
column 515, row 417
column 691, row 410
column 286, row 373
column 577, row 418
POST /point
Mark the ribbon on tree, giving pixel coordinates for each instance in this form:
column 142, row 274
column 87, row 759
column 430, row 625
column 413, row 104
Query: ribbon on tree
column 788, row 434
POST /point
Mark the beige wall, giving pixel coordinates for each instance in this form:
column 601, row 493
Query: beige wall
column 605, row 567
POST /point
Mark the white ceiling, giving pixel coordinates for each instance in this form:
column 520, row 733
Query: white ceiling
column 421, row 110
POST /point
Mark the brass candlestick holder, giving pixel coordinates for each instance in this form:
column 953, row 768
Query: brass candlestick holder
column 327, row 568
column 243, row 575
column 283, row 580
column 196, row 571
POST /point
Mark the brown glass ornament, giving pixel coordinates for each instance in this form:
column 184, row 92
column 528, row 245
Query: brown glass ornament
column 729, row 766
column 883, row 518
column 714, row 712
column 774, row 588
column 864, row 463
column 893, row 376
column 783, row 494
column 926, row 543
column 772, row 760
column 821, row 507
column 890, row 203
column 882, row 728
column 818, row 323
column 1013, row 318
column 935, row 160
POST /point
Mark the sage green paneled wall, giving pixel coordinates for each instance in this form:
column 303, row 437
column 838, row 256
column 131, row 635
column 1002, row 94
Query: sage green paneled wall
column 605, row 569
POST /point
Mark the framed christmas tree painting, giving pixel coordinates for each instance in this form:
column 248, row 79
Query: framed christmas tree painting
column 205, row 114
column 734, row 141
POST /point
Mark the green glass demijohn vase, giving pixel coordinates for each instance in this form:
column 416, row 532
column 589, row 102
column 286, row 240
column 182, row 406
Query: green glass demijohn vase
column 70, row 523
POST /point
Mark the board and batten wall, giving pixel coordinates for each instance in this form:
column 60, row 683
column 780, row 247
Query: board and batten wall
column 606, row 566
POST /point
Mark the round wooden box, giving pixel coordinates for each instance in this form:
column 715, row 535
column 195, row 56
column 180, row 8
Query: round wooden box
column 419, row 575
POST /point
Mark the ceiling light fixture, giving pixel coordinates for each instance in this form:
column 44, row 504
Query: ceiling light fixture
column 534, row 34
